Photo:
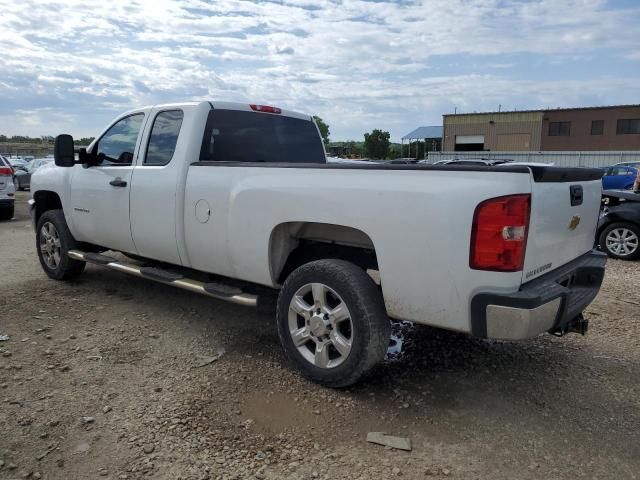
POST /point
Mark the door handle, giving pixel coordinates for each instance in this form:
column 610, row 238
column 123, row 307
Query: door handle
column 118, row 182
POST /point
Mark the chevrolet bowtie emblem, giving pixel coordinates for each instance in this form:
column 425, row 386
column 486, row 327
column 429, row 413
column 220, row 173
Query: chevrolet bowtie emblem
column 575, row 221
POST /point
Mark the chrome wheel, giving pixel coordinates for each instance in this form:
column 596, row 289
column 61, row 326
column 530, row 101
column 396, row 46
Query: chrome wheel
column 50, row 245
column 16, row 184
column 622, row 242
column 320, row 325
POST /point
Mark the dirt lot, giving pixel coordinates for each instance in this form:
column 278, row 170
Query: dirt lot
column 98, row 380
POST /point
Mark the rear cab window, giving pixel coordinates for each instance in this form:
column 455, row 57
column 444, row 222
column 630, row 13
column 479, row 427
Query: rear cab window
column 242, row 136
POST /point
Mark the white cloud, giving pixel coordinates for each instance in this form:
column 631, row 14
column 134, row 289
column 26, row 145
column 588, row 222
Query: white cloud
column 71, row 65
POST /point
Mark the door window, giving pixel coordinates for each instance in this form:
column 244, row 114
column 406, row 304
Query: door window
column 163, row 138
column 116, row 147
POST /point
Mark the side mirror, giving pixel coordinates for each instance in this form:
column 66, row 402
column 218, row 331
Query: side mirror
column 63, row 152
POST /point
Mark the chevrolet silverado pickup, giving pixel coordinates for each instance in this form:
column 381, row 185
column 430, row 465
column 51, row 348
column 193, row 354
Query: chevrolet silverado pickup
column 237, row 202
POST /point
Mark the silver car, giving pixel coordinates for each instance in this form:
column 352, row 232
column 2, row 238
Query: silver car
column 7, row 191
column 22, row 178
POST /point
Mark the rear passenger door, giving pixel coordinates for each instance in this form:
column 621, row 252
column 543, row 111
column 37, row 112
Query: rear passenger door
column 159, row 172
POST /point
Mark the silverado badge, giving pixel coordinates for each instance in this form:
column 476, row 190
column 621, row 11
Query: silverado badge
column 575, row 221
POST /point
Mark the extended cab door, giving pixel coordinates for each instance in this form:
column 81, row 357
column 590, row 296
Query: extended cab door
column 160, row 170
column 100, row 193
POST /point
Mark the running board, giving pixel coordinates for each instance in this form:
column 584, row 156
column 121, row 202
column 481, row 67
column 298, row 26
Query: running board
column 213, row 290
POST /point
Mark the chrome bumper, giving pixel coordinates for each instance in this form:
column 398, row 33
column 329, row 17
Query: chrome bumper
column 545, row 304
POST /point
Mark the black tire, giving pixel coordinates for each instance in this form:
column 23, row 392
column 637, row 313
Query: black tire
column 370, row 328
column 7, row 213
column 609, row 249
column 65, row 268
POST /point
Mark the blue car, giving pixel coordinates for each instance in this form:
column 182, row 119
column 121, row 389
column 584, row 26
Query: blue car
column 619, row 177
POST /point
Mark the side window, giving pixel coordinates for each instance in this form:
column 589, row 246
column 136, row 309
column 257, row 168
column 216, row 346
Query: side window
column 163, row 138
column 116, row 147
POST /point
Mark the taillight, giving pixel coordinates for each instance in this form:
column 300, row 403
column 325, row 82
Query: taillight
column 6, row 171
column 499, row 233
column 265, row 109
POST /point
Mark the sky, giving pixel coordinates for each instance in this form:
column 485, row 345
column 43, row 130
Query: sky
column 71, row 66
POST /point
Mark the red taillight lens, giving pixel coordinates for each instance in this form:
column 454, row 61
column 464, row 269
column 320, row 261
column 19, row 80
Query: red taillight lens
column 499, row 233
column 265, row 108
column 6, row 171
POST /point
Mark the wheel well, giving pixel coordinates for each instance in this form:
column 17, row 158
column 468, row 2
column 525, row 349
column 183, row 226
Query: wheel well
column 293, row 244
column 46, row 200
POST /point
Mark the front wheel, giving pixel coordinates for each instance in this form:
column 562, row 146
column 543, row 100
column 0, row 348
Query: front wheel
column 332, row 322
column 621, row 240
column 53, row 242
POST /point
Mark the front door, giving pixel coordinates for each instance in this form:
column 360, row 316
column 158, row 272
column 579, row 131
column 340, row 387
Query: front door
column 100, row 193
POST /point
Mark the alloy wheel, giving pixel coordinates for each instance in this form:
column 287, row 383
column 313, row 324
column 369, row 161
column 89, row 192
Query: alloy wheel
column 50, row 245
column 622, row 242
column 320, row 325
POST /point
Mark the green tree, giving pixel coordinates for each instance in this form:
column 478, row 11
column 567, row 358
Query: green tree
column 395, row 151
column 376, row 144
column 85, row 140
column 323, row 127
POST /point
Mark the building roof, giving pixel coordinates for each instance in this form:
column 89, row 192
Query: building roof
column 421, row 133
column 540, row 110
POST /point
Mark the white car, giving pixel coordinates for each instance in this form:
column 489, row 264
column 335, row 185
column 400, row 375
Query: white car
column 7, row 190
column 244, row 192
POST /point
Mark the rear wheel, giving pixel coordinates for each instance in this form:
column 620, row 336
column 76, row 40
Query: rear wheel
column 53, row 242
column 621, row 240
column 332, row 322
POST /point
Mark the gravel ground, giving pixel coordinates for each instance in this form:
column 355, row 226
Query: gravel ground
column 99, row 379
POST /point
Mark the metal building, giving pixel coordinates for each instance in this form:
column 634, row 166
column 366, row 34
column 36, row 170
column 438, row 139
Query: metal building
column 431, row 136
column 571, row 129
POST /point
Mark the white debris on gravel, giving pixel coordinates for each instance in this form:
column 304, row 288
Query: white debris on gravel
column 380, row 438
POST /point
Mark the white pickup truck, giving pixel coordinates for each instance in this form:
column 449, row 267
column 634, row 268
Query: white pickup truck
column 237, row 201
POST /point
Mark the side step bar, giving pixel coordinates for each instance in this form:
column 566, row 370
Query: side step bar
column 214, row 290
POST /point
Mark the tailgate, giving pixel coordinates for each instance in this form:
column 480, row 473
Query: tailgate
column 565, row 204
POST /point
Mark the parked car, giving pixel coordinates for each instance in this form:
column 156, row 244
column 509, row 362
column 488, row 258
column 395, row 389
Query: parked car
column 16, row 162
column 7, row 190
column 470, row 161
column 244, row 193
column 22, row 178
column 619, row 225
column 628, row 164
column 619, row 177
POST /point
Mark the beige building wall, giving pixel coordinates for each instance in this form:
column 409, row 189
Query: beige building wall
column 510, row 131
column 581, row 137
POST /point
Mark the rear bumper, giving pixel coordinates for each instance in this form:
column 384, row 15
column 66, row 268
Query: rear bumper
column 6, row 201
column 548, row 303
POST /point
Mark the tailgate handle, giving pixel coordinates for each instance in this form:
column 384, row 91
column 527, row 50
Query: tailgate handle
column 576, row 195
